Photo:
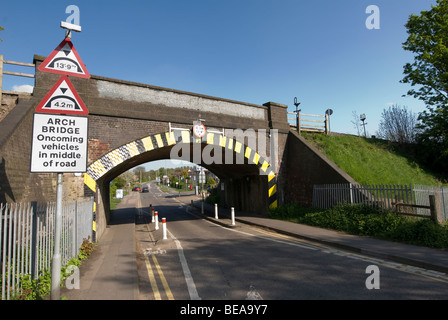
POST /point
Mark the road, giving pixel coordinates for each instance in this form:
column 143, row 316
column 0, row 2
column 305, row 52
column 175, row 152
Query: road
column 204, row 260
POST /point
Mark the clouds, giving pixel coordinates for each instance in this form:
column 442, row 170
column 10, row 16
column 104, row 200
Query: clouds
column 23, row 88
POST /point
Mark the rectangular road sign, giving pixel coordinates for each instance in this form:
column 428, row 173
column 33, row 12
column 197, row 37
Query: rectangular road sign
column 59, row 143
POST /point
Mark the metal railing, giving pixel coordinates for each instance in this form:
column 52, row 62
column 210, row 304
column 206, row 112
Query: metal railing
column 27, row 233
column 382, row 196
column 406, row 199
column 422, row 194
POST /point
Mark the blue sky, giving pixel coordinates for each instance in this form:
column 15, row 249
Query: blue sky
column 248, row 50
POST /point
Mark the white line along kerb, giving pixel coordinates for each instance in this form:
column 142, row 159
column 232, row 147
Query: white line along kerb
column 164, row 228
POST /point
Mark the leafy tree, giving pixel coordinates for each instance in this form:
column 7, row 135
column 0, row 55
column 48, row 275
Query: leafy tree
column 119, row 182
column 211, row 181
column 428, row 39
column 1, row 29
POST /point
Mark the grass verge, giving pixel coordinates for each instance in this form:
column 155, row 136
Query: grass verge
column 373, row 161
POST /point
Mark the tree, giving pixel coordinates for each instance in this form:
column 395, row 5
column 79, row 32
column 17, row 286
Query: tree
column 129, row 176
column 355, row 121
column 428, row 39
column 398, row 124
column 1, row 29
column 119, row 182
column 139, row 172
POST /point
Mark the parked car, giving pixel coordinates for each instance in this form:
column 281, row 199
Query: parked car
column 136, row 189
column 145, row 189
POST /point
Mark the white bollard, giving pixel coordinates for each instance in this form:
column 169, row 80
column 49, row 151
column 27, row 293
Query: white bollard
column 164, row 228
column 156, row 218
column 152, row 215
column 216, row 211
column 232, row 211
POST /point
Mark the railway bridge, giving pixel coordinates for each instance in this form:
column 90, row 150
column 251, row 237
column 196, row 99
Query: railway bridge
column 261, row 162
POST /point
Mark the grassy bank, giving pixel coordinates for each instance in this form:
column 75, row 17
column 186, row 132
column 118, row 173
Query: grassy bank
column 373, row 161
column 365, row 221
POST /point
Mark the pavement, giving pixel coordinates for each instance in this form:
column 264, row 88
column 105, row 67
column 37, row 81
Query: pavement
column 110, row 273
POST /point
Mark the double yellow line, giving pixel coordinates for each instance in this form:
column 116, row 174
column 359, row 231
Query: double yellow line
column 152, row 279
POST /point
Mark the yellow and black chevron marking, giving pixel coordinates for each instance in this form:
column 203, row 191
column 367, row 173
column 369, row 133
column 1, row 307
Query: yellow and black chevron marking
column 115, row 157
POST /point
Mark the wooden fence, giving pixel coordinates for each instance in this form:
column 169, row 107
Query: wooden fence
column 12, row 73
column 309, row 122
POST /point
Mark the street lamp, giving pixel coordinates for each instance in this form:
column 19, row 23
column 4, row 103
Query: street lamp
column 297, row 112
column 363, row 118
column 329, row 112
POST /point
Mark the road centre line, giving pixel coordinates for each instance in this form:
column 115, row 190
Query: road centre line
column 186, row 270
column 187, row 273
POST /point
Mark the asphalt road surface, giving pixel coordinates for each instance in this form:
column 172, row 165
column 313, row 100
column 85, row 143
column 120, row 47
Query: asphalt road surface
column 201, row 260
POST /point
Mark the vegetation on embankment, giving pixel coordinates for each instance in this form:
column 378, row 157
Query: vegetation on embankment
column 366, row 221
column 371, row 161
column 374, row 161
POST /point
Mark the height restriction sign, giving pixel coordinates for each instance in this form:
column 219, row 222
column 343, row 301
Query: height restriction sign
column 59, row 143
column 62, row 99
column 65, row 60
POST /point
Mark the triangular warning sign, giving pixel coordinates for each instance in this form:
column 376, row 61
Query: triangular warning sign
column 65, row 60
column 62, row 99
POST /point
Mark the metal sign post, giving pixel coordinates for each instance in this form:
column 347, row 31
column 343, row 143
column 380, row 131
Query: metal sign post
column 60, row 141
column 56, row 260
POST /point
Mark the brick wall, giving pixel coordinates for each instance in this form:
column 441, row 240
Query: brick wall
column 119, row 112
column 305, row 166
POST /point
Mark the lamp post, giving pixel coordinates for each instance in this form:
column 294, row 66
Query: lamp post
column 329, row 112
column 363, row 118
column 297, row 113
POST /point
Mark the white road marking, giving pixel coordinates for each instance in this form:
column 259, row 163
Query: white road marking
column 435, row 275
column 187, row 274
column 253, row 294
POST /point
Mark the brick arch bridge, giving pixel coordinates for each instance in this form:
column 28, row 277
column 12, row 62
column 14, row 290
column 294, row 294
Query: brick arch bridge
column 132, row 123
column 250, row 174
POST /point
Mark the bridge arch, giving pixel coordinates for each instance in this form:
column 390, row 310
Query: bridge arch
column 158, row 146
